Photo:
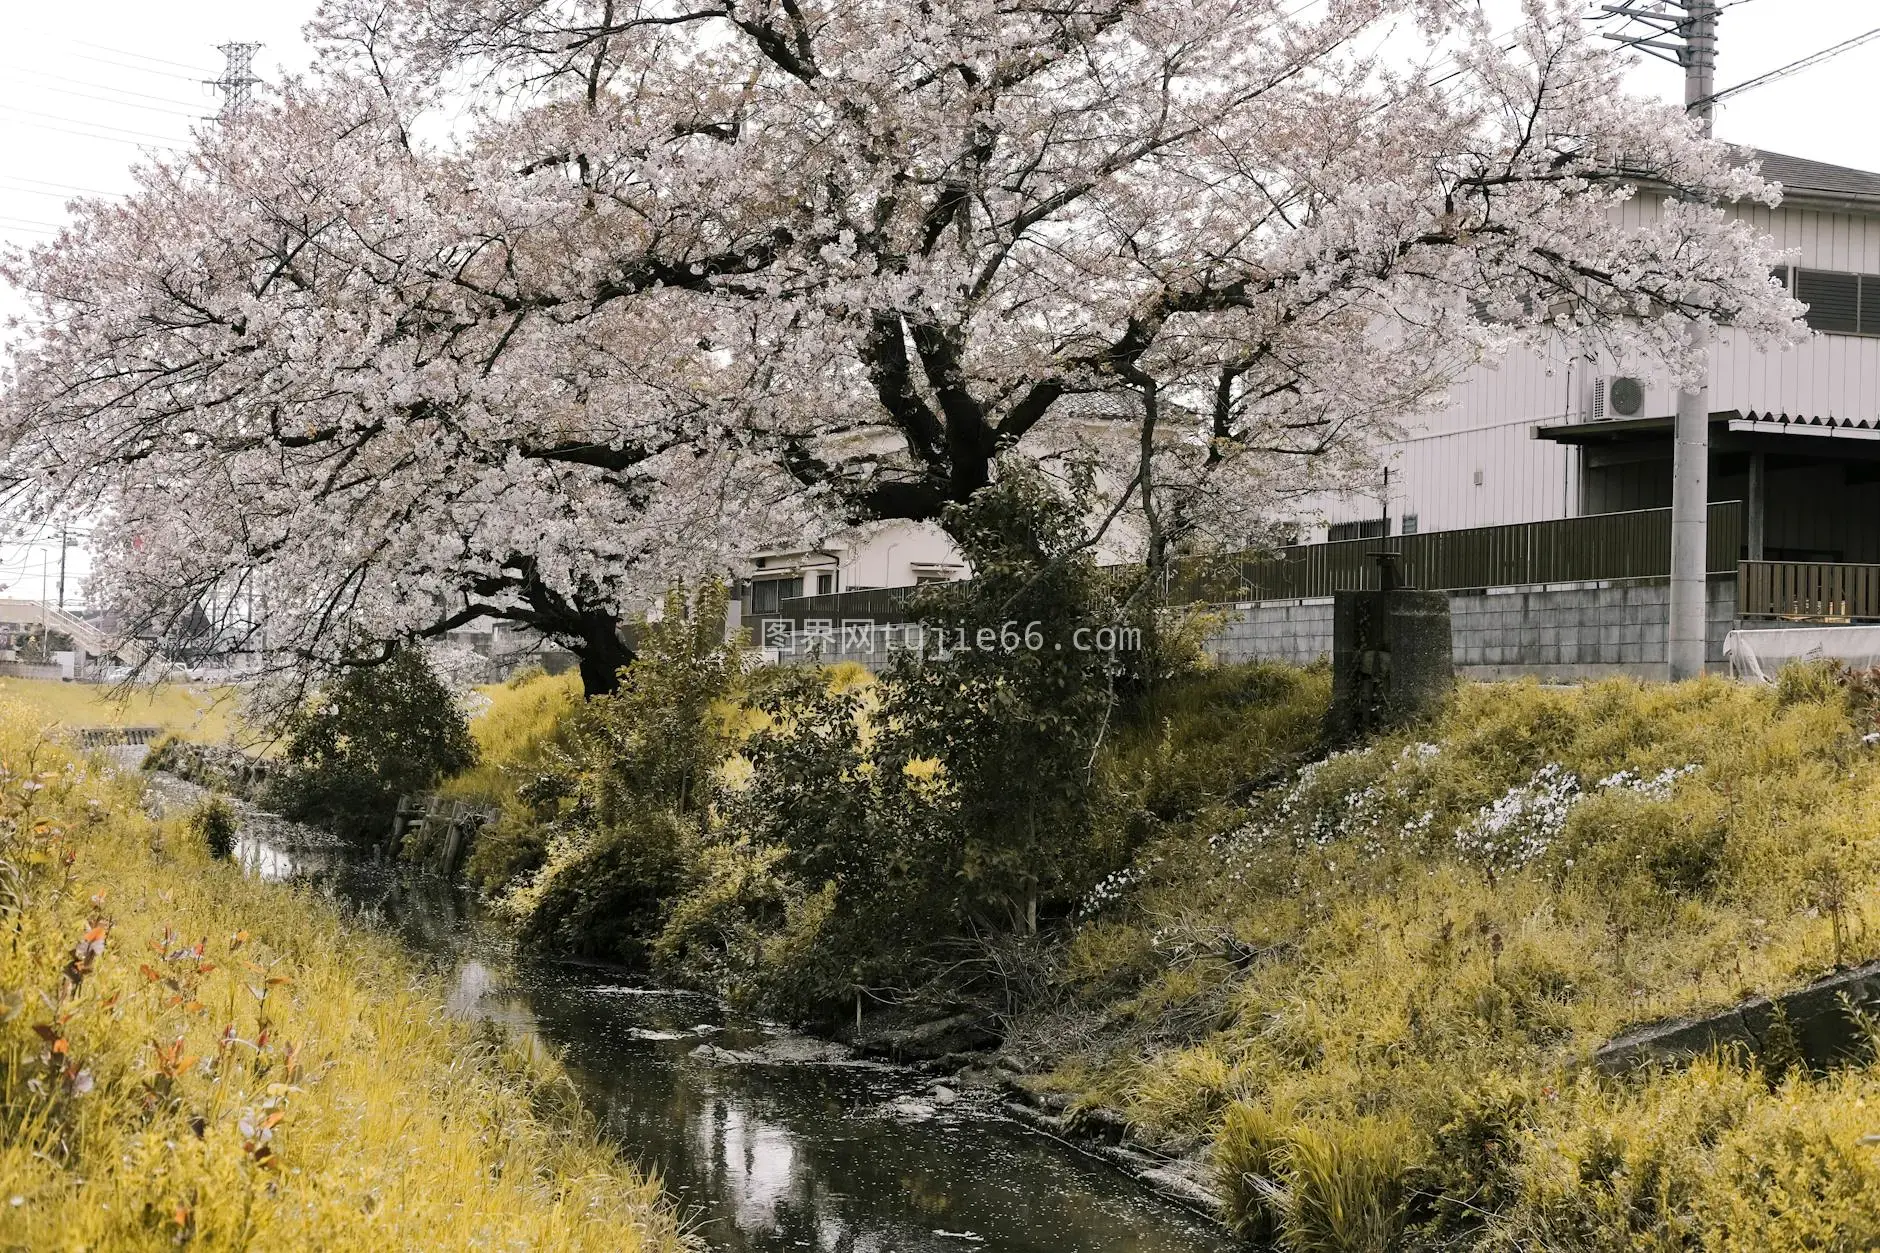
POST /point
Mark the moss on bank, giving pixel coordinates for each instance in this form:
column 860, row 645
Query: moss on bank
column 189, row 1056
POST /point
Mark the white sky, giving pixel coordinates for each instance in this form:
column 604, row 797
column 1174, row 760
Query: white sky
column 85, row 87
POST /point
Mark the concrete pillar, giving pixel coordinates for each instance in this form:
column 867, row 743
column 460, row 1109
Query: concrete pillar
column 1391, row 658
column 1690, row 503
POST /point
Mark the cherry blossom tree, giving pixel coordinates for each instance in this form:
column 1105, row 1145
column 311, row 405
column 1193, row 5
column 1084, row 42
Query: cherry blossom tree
column 315, row 396
column 1278, row 239
column 520, row 307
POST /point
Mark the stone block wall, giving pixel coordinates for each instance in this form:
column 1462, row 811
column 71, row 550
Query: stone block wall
column 1559, row 632
column 1578, row 632
column 1298, row 632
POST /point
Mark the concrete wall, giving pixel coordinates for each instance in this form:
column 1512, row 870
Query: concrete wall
column 1295, row 631
column 1558, row 632
column 1582, row 632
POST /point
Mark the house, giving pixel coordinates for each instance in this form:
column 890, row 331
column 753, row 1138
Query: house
column 1539, row 495
column 1564, row 433
column 879, row 555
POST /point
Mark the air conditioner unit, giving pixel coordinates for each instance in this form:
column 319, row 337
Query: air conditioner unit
column 1615, row 396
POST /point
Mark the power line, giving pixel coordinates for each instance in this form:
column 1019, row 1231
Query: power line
column 97, row 86
column 58, row 36
column 140, row 56
column 1796, row 67
column 31, row 191
column 136, row 69
column 75, row 121
column 125, row 104
column 40, row 182
column 112, row 139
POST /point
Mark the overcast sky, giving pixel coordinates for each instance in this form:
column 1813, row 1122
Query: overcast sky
column 85, row 88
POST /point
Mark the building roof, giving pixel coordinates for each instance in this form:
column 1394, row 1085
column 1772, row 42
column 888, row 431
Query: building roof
column 1755, row 422
column 1802, row 177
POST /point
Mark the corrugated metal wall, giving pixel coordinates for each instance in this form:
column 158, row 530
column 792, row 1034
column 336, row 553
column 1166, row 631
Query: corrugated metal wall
column 1475, row 463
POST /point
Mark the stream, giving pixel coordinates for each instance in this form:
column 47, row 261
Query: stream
column 765, row 1139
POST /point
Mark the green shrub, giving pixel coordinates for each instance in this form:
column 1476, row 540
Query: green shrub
column 747, row 930
column 215, row 824
column 608, row 837
column 526, row 743
column 895, row 801
column 377, row 733
column 606, row 890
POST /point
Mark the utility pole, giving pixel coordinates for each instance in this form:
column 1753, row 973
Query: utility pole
column 1685, row 33
column 238, row 80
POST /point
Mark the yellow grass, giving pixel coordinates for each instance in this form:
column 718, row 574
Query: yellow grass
column 191, row 1057
column 1343, row 986
column 203, row 714
column 516, row 733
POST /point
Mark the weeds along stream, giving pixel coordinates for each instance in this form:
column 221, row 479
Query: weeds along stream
column 766, row 1140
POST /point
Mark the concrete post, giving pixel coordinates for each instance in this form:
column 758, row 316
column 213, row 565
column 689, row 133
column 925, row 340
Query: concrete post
column 1690, row 540
column 1392, row 655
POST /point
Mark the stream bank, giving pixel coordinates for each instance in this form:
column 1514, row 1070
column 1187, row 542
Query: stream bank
column 767, row 1140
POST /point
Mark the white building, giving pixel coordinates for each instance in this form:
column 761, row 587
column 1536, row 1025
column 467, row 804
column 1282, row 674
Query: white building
column 884, row 554
column 1562, row 433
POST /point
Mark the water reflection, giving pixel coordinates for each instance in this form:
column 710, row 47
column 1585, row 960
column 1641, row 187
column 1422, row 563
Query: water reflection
column 828, row 1156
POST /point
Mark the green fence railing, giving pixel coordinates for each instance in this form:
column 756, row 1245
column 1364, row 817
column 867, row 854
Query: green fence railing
column 1634, row 545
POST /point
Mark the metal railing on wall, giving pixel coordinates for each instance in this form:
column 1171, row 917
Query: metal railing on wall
column 873, row 604
column 1634, row 545
column 1598, row 547
column 1808, row 591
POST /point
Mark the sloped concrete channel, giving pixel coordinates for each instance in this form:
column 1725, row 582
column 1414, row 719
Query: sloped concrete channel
column 769, row 1140
column 1817, row 1025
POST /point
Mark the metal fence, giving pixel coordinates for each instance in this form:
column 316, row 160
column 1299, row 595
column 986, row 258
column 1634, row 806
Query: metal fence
column 870, row 604
column 1633, row 545
column 1808, row 591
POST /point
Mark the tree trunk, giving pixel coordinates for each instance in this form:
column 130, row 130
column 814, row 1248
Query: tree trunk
column 602, row 653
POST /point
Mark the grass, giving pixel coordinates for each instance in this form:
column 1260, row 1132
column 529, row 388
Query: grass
column 191, row 1057
column 517, row 730
column 202, row 714
column 1369, row 991
column 1365, row 989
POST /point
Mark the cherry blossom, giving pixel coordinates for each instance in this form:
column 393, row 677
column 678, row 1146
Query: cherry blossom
column 524, row 308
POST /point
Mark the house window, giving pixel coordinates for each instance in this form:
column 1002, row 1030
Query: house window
column 767, row 595
column 1409, row 524
column 1373, row 528
column 1838, row 303
column 825, row 584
